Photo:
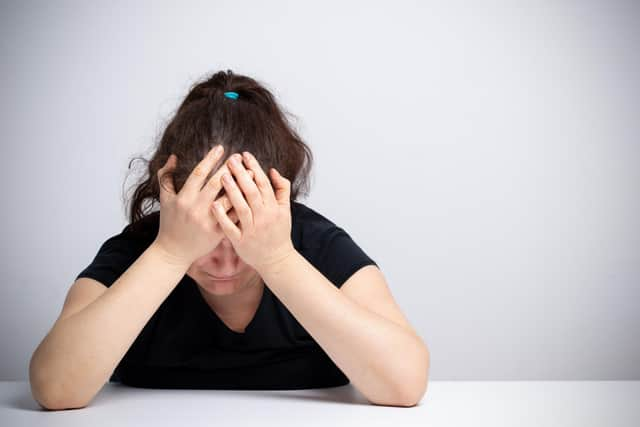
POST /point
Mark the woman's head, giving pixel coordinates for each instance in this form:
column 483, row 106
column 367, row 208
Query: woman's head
column 253, row 122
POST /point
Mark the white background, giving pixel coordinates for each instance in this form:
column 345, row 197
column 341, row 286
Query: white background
column 485, row 155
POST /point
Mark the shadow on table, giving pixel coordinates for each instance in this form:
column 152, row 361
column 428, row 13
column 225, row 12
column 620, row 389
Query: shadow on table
column 346, row 394
column 23, row 401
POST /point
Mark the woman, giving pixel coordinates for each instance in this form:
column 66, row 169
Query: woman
column 231, row 283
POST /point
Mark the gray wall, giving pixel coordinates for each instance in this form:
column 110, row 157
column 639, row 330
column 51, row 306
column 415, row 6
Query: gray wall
column 486, row 157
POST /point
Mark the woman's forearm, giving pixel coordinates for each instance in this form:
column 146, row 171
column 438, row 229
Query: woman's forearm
column 385, row 362
column 78, row 355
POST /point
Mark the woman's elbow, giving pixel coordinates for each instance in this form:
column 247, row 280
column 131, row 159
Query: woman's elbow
column 53, row 403
column 50, row 395
column 415, row 389
column 411, row 391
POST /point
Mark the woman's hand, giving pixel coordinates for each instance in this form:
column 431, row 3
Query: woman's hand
column 264, row 235
column 188, row 227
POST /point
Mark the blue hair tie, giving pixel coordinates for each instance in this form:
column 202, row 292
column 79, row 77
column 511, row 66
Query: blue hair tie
column 232, row 95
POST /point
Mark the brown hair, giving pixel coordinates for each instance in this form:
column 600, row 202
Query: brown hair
column 253, row 122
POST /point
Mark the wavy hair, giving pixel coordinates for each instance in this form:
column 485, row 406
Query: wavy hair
column 253, row 122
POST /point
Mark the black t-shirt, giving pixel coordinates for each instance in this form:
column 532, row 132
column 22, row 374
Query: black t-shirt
column 186, row 345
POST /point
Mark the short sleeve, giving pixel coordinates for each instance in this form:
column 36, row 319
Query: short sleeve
column 340, row 256
column 114, row 257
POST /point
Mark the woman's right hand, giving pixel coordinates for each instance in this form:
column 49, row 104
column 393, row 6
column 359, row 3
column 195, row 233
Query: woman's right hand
column 188, row 226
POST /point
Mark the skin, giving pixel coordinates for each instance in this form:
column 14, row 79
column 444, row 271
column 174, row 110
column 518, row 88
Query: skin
column 359, row 326
column 229, row 285
column 234, row 300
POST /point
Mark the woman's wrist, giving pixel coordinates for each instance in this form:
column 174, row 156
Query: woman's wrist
column 168, row 257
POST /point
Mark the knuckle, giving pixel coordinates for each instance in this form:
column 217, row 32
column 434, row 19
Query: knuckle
column 252, row 192
column 214, row 183
column 182, row 204
column 226, row 202
column 193, row 216
column 243, row 210
column 262, row 184
column 218, row 174
column 220, row 202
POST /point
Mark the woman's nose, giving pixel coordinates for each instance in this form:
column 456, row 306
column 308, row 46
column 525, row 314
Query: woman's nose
column 226, row 263
column 225, row 252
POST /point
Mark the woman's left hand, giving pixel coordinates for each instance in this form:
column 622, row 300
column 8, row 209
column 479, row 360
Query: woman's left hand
column 264, row 236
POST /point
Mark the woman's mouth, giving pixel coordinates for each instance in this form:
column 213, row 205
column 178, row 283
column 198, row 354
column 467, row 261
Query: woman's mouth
column 222, row 278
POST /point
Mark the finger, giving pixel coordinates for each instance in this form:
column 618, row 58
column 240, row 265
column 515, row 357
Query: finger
column 233, row 216
column 237, row 199
column 282, row 187
column 261, row 179
column 226, row 203
column 214, row 188
column 165, row 179
column 228, row 208
column 246, row 184
column 226, row 223
column 196, row 178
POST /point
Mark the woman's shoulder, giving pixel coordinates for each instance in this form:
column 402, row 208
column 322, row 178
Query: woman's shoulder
column 145, row 228
column 310, row 228
column 327, row 246
column 136, row 236
column 304, row 213
column 120, row 250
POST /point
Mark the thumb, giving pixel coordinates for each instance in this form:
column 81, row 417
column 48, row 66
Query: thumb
column 282, row 187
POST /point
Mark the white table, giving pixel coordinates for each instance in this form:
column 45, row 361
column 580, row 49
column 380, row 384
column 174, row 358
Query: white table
column 446, row 403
